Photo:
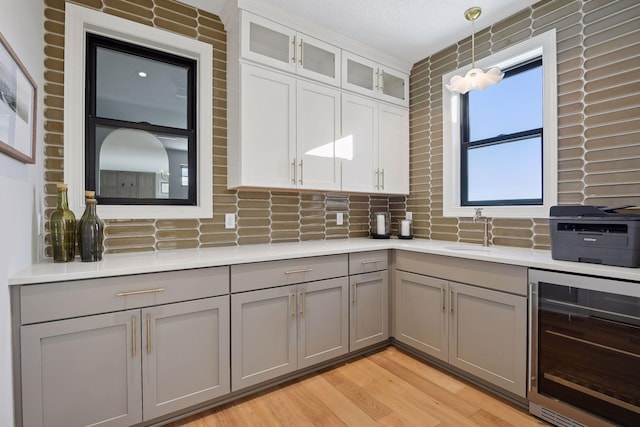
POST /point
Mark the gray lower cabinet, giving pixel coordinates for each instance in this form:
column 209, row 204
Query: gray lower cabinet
column 185, row 354
column 421, row 314
column 488, row 335
column 121, row 368
column 84, row 371
column 481, row 331
column 278, row 330
column 369, row 311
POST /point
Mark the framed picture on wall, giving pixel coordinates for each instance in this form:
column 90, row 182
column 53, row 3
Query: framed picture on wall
column 18, row 95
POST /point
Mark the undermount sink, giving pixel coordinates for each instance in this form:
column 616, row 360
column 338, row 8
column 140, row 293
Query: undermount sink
column 468, row 249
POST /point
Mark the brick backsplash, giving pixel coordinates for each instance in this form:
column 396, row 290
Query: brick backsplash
column 598, row 45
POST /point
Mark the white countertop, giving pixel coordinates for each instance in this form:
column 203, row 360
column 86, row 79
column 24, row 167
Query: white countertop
column 183, row 259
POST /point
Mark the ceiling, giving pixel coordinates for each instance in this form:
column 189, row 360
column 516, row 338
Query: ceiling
column 409, row 30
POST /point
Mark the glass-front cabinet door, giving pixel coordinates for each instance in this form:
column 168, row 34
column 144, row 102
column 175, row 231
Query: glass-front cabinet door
column 394, row 86
column 279, row 46
column 318, row 60
column 369, row 78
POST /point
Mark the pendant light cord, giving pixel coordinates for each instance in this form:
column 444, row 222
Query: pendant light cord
column 473, row 43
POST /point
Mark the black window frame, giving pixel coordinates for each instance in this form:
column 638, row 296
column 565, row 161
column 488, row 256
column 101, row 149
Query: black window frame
column 466, row 145
column 93, row 42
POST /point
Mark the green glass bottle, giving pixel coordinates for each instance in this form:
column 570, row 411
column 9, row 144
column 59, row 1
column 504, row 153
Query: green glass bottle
column 87, row 195
column 90, row 234
column 63, row 228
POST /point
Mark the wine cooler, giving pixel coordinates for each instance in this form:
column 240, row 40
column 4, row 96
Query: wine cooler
column 585, row 350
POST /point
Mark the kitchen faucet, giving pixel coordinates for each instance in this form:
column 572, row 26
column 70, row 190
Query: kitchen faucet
column 477, row 217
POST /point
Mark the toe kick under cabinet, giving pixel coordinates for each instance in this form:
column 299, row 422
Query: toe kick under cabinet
column 116, row 351
column 467, row 313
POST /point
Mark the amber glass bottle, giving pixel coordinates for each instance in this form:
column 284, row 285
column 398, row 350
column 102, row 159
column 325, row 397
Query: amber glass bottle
column 63, row 228
column 90, row 233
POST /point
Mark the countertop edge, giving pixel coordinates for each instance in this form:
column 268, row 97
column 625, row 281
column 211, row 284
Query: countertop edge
column 185, row 259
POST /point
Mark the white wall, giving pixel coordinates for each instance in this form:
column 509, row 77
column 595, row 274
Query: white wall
column 21, row 24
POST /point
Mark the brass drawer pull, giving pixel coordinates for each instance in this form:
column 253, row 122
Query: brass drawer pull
column 304, row 270
column 146, row 291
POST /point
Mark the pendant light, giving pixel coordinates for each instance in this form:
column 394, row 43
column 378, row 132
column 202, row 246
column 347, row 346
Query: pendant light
column 476, row 78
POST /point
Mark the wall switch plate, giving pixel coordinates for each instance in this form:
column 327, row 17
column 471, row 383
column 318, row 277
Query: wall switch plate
column 339, row 218
column 409, row 215
column 229, row 220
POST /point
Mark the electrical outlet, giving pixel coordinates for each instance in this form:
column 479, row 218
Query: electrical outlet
column 339, row 218
column 229, row 220
column 409, row 215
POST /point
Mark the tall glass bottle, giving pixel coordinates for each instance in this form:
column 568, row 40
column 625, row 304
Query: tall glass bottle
column 90, row 234
column 87, row 195
column 63, row 228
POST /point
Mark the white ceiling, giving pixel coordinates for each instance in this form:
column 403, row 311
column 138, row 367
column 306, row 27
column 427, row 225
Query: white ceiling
column 409, row 30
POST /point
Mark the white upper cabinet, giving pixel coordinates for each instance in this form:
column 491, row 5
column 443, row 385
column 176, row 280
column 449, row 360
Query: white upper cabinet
column 279, row 46
column 370, row 78
column 377, row 137
column 288, row 131
column 318, row 128
column 393, row 150
column 261, row 156
column 304, row 113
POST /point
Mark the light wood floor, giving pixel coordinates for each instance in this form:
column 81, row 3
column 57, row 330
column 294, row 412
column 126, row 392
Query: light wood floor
column 389, row 388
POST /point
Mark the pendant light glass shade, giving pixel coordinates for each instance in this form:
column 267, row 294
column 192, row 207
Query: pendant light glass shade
column 475, row 78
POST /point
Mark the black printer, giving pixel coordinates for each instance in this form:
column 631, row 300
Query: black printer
column 595, row 235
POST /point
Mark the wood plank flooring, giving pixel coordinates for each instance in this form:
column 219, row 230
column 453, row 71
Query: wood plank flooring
column 389, row 388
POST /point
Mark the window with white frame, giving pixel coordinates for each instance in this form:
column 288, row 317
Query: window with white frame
column 500, row 144
column 80, row 23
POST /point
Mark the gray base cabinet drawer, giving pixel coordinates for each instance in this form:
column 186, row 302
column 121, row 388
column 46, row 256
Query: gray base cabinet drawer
column 366, row 262
column 53, row 301
column 262, row 275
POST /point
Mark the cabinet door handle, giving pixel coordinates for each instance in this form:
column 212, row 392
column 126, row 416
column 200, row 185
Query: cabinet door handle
column 378, row 79
column 443, row 293
column 451, row 298
column 355, row 293
column 146, row 291
column 302, row 270
column 301, row 172
column 148, row 334
column 371, row 261
column 293, row 43
column 302, row 304
column 293, row 306
column 133, row 337
column 381, row 81
column 293, row 165
column 382, row 173
column 377, row 179
column 301, row 53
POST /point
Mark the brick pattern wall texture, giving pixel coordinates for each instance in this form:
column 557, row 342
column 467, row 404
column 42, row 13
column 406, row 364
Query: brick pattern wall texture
column 598, row 57
column 598, row 48
column 262, row 216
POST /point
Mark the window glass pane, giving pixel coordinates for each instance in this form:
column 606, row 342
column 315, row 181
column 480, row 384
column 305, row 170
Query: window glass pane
column 136, row 164
column 506, row 171
column 511, row 106
column 138, row 89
